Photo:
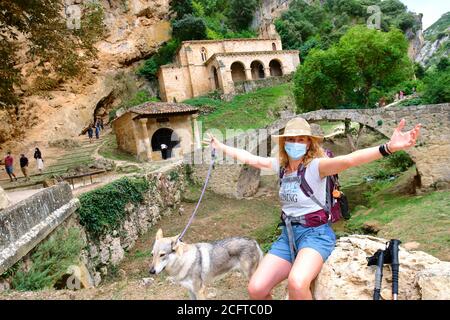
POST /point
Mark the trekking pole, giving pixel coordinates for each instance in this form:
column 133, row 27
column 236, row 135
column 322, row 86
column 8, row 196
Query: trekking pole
column 392, row 258
column 378, row 260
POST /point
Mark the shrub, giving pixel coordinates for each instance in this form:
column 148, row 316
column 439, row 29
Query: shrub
column 189, row 28
column 50, row 260
column 102, row 210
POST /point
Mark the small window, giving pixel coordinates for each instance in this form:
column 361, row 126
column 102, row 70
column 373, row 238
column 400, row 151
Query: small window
column 176, row 77
column 203, row 53
column 274, row 46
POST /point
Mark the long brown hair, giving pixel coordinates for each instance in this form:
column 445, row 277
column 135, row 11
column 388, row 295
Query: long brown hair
column 315, row 150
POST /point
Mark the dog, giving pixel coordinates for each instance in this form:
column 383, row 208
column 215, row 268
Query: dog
column 194, row 266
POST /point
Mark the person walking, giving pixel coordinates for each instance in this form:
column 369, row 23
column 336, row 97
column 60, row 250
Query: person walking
column 307, row 239
column 39, row 160
column 164, row 150
column 97, row 130
column 24, row 166
column 9, row 166
column 90, row 133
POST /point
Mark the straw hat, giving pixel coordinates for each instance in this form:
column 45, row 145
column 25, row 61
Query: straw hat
column 297, row 127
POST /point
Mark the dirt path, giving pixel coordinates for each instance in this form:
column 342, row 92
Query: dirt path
column 218, row 217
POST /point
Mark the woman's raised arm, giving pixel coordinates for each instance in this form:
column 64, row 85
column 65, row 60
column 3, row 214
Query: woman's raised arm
column 240, row 154
column 399, row 141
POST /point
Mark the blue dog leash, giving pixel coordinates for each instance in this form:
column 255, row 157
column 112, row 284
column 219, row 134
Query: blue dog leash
column 211, row 166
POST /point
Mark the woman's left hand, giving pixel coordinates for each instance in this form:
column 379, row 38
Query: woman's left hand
column 403, row 140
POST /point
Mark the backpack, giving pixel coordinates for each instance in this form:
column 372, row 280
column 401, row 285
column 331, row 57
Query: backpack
column 336, row 203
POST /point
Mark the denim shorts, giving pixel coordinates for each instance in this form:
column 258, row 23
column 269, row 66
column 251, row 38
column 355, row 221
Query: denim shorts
column 9, row 169
column 321, row 238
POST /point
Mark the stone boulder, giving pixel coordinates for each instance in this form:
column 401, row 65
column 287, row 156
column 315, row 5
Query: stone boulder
column 4, row 199
column 346, row 276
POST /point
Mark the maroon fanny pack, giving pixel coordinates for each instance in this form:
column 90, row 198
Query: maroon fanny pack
column 313, row 219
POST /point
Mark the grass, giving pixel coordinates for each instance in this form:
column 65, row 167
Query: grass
column 424, row 218
column 110, row 150
column 247, row 111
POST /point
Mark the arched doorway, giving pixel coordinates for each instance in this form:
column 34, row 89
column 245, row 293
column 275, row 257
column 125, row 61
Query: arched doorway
column 216, row 78
column 257, row 70
column 275, row 68
column 164, row 137
column 238, row 71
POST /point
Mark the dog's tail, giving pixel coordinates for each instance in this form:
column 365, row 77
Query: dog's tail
column 260, row 252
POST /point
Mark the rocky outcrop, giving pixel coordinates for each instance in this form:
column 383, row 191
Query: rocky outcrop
column 346, row 276
column 134, row 29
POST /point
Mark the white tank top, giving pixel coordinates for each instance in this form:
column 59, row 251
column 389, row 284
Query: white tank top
column 294, row 202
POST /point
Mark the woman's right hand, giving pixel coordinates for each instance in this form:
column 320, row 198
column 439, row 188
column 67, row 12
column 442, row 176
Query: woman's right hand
column 211, row 140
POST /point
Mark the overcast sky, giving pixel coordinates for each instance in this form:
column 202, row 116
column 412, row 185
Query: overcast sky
column 432, row 9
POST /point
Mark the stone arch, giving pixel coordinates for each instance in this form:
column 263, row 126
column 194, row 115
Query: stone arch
column 166, row 136
column 238, row 71
column 257, row 70
column 431, row 150
column 276, row 68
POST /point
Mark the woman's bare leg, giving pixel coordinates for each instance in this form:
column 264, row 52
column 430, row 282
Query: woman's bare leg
column 306, row 267
column 270, row 272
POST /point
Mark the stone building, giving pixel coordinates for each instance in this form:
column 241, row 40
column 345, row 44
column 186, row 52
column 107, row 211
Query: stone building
column 142, row 130
column 202, row 66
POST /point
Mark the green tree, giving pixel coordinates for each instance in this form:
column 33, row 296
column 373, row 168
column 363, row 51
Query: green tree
column 164, row 55
column 437, row 84
column 189, row 28
column 355, row 72
column 180, row 8
column 241, row 13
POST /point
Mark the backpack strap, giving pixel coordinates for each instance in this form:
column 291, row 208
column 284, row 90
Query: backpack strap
column 307, row 190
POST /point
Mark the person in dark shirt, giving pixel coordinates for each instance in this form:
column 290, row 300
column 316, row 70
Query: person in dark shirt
column 39, row 160
column 24, row 166
column 9, row 160
column 90, row 132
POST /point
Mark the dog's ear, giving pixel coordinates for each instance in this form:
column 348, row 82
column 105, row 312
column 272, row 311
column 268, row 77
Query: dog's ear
column 159, row 234
column 177, row 247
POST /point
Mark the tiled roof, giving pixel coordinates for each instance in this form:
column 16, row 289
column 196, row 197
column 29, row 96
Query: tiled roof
column 162, row 108
column 251, row 53
column 228, row 40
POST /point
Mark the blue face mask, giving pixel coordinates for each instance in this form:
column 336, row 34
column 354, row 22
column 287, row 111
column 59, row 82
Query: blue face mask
column 295, row 150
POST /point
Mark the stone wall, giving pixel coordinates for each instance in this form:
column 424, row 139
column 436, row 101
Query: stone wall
column 161, row 200
column 25, row 224
column 4, row 199
column 252, row 85
column 234, row 180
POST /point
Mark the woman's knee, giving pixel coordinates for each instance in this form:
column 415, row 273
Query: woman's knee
column 258, row 289
column 298, row 283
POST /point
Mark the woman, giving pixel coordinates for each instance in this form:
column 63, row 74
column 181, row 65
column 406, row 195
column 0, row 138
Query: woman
column 299, row 147
column 39, row 161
